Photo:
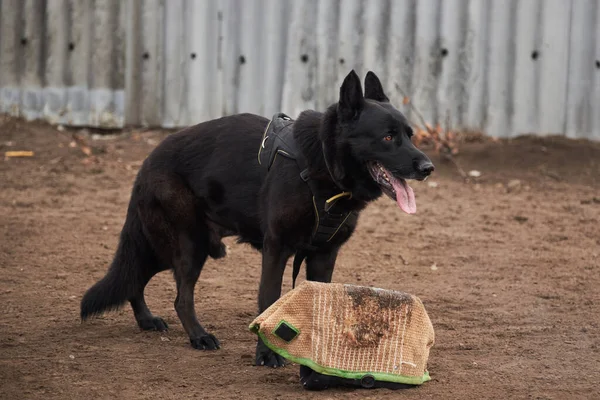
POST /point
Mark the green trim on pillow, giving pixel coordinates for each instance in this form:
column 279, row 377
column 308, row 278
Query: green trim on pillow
column 408, row 380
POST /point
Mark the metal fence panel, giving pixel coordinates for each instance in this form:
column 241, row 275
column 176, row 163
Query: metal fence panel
column 504, row 67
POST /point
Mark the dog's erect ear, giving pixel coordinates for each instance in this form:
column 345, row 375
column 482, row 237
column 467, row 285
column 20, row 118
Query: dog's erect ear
column 351, row 97
column 373, row 88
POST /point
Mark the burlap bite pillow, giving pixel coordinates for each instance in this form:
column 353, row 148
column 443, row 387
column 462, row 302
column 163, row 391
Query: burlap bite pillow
column 350, row 331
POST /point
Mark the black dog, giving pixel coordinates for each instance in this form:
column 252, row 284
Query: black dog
column 205, row 182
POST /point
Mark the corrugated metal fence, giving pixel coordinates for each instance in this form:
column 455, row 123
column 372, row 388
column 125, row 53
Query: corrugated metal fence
column 502, row 66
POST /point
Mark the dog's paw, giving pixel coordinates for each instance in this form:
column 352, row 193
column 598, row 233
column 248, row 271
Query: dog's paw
column 153, row 324
column 206, row 342
column 267, row 357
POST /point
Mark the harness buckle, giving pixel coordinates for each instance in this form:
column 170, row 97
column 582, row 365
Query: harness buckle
column 304, row 175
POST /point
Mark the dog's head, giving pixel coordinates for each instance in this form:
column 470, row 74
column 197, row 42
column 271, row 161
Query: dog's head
column 367, row 144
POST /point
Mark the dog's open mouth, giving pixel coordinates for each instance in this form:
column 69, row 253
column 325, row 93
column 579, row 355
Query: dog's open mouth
column 396, row 188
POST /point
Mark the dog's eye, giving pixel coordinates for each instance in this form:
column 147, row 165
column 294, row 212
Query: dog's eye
column 388, row 138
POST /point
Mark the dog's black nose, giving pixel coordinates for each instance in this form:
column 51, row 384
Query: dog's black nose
column 425, row 167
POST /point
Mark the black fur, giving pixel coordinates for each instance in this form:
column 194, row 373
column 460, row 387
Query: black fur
column 204, row 183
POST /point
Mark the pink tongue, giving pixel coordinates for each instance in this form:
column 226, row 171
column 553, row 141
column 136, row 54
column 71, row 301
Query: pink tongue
column 405, row 197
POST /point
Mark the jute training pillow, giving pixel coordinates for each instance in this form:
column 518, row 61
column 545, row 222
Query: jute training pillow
column 350, row 331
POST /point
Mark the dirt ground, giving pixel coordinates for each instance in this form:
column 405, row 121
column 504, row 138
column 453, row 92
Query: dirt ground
column 507, row 265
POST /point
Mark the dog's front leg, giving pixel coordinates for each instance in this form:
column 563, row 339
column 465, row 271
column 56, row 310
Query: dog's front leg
column 319, row 266
column 273, row 265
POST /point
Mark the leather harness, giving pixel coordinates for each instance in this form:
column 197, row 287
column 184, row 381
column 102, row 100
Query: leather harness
column 278, row 139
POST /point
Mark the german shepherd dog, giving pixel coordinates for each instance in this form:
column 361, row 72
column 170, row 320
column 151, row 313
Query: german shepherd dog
column 205, row 182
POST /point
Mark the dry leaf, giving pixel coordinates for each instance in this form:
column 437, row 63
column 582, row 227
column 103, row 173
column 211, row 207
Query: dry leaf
column 89, row 160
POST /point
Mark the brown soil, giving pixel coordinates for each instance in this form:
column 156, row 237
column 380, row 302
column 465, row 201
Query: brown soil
column 509, row 274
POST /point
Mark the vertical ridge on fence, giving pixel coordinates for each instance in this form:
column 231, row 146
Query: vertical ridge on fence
column 554, row 55
column 401, row 50
column 11, row 14
column 584, row 67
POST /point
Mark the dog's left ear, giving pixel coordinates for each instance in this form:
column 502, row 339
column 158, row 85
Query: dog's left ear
column 373, row 88
column 351, row 98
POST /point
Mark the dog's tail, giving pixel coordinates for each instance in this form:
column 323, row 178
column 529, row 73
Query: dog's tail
column 123, row 279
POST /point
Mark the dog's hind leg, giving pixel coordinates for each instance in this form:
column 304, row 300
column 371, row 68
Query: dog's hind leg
column 145, row 320
column 187, row 268
column 181, row 241
column 185, row 254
